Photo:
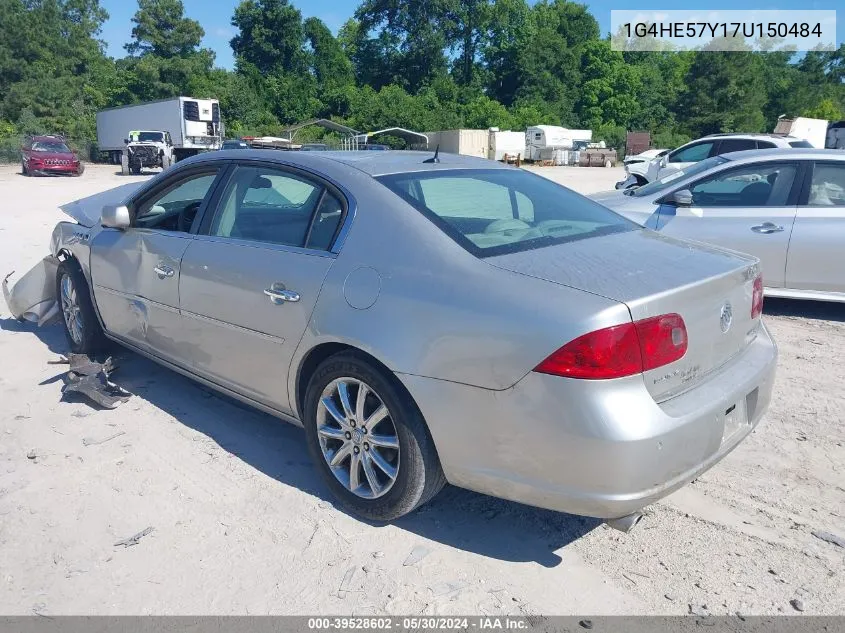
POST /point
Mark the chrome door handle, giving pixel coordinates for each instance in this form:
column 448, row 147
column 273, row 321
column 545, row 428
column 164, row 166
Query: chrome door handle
column 766, row 228
column 280, row 296
column 163, row 271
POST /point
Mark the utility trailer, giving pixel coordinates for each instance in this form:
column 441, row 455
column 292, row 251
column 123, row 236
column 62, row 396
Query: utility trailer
column 194, row 125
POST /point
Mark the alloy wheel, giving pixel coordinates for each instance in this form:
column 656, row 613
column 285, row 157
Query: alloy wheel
column 71, row 310
column 358, row 438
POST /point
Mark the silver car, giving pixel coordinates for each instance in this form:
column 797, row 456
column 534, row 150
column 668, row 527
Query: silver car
column 426, row 321
column 784, row 206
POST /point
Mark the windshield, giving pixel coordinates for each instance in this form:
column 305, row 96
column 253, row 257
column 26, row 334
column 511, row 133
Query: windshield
column 660, row 184
column 497, row 211
column 155, row 137
column 50, row 146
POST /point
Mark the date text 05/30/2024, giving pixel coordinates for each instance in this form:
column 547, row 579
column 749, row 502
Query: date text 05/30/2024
column 417, row 623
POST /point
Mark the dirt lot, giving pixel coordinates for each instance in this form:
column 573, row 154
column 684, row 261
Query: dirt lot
column 242, row 525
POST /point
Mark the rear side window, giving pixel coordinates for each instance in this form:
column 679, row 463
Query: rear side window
column 800, row 144
column 827, row 188
column 736, row 145
column 497, row 211
column 765, row 145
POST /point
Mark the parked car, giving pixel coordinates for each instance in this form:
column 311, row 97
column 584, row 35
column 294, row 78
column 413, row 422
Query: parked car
column 234, row 144
column 636, row 167
column 716, row 145
column 376, row 147
column 784, row 206
column 537, row 347
column 314, row 147
column 644, row 157
column 42, row 155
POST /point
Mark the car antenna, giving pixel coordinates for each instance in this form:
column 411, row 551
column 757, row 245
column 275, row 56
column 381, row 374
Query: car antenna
column 434, row 159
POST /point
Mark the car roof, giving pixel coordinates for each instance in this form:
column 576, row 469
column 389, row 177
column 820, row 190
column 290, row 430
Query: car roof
column 793, row 153
column 751, row 135
column 371, row 163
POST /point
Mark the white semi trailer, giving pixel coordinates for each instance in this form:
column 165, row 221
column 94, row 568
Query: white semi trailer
column 194, row 125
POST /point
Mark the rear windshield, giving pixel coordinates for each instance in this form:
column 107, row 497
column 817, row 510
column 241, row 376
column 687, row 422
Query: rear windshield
column 498, row 211
column 800, row 144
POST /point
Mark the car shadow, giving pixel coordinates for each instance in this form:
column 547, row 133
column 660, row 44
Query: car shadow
column 819, row 310
column 52, row 336
column 143, row 172
column 459, row 518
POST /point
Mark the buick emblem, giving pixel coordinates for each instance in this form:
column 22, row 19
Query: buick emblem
column 726, row 317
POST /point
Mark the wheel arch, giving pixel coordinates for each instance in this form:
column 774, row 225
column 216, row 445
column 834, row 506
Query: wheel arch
column 320, row 352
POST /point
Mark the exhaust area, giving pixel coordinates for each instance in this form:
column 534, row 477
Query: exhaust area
column 626, row 523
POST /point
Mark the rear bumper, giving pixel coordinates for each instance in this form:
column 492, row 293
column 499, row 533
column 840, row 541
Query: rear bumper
column 33, row 296
column 594, row 448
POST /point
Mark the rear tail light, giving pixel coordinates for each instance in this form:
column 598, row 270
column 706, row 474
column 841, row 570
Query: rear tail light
column 757, row 297
column 620, row 350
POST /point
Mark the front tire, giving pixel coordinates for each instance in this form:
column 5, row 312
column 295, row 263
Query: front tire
column 368, row 439
column 82, row 329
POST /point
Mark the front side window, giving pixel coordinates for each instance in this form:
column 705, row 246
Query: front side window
column 498, row 211
column 175, row 208
column 764, row 185
column 656, row 186
column 268, row 205
column 827, row 187
column 692, row 154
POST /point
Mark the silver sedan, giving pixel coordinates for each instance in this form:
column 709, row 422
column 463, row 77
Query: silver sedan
column 425, row 321
column 784, row 206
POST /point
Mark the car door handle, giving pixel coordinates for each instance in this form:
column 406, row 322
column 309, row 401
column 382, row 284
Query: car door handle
column 766, row 228
column 279, row 296
column 163, row 271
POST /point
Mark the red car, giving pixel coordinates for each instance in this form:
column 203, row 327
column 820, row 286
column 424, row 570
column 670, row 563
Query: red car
column 41, row 155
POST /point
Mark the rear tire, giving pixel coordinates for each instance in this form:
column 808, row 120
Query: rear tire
column 397, row 442
column 82, row 329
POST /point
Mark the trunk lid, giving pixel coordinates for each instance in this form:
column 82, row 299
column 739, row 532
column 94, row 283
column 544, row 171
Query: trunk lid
column 652, row 274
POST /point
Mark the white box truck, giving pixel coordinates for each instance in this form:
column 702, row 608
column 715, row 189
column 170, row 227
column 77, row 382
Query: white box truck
column 194, row 125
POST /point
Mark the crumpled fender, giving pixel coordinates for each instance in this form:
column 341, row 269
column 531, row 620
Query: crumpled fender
column 33, row 297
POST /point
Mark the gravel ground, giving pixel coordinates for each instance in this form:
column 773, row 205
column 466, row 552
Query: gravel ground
column 242, row 525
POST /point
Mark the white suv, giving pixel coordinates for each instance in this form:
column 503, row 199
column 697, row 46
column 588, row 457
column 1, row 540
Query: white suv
column 715, row 145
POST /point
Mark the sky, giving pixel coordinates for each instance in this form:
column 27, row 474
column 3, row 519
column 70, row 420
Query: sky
column 215, row 17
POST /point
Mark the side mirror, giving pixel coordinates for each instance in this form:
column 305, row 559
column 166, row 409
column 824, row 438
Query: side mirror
column 115, row 216
column 126, row 141
column 664, row 161
column 681, row 198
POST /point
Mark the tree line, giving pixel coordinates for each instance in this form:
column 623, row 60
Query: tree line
column 421, row 64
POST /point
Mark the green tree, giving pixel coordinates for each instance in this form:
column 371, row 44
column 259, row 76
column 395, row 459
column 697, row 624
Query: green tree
column 270, row 36
column 825, row 109
column 161, row 29
column 402, row 41
column 726, row 93
column 329, row 63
